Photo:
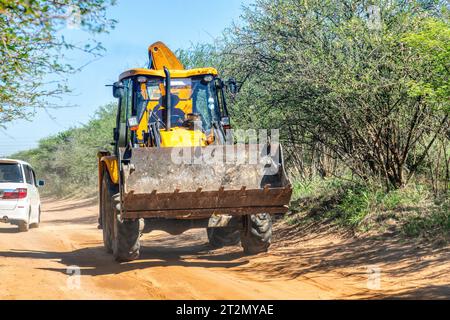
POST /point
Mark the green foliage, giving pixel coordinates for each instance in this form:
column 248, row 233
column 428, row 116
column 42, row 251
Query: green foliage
column 199, row 56
column 405, row 197
column 411, row 211
column 315, row 187
column 68, row 160
column 340, row 79
column 359, row 201
column 436, row 223
column 344, row 201
column 431, row 43
column 354, row 206
column 32, row 47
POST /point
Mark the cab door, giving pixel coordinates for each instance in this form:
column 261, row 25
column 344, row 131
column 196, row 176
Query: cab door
column 32, row 192
column 37, row 196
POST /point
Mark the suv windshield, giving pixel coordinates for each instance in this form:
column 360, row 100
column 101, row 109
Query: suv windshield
column 10, row 172
column 189, row 95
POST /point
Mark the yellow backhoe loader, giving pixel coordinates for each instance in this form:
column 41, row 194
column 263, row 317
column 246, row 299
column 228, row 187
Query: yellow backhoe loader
column 176, row 164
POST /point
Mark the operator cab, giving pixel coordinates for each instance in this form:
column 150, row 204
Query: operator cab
column 196, row 104
column 189, row 96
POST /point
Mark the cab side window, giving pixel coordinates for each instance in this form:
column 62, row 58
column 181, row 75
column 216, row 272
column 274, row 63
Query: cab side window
column 28, row 175
column 124, row 112
column 126, row 102
column 33, row 175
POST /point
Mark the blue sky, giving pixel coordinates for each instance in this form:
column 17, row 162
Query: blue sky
column 178, row 23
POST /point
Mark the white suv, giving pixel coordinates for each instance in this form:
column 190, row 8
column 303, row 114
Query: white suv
column 19, row 197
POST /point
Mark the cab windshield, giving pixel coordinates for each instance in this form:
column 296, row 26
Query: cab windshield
column 10, row 172
column 188, row 95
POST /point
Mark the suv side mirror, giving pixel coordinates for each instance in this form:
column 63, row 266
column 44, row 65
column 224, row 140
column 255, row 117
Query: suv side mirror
column 118, row 90
column 41, row 183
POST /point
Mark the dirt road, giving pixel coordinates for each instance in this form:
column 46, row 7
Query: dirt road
column 302, row 264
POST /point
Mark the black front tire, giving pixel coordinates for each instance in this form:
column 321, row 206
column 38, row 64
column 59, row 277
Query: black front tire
column 257, row 233
column 222, row 237
column 126, row 236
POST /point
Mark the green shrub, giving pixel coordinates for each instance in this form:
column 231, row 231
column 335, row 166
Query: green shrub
column 411, row 195
column 355, row 205
column 435, row 223
column 412, row 210
column 316, row 187
column 303, row 189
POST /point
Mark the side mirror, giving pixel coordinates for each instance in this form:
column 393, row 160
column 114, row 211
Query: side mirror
column 232, row 86
column 118, row 90
column 219, row 83
column 41, row 183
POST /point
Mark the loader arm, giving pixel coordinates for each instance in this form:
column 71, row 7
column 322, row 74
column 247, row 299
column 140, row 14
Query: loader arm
column 161, row 56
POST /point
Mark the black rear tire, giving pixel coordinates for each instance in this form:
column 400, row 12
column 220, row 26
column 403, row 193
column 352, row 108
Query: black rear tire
column 257, row 233
column 222, row 237
column 36, row 224
column 106, row 211
column 23, row 226
column 126, row 236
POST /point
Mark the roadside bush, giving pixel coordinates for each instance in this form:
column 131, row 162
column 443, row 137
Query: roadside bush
column 434, row 224
column 355, row 205
column 410, row 196
column 412, row 211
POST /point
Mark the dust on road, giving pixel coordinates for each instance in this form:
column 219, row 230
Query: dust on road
column 302, row 264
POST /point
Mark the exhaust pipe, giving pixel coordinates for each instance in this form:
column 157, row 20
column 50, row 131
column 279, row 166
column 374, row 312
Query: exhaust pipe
column 168, row 100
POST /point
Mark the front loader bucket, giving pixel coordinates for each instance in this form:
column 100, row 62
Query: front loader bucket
column 197, row 182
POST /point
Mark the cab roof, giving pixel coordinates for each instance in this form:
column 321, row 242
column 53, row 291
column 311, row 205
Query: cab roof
column 5, row 160
column 173, row 73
